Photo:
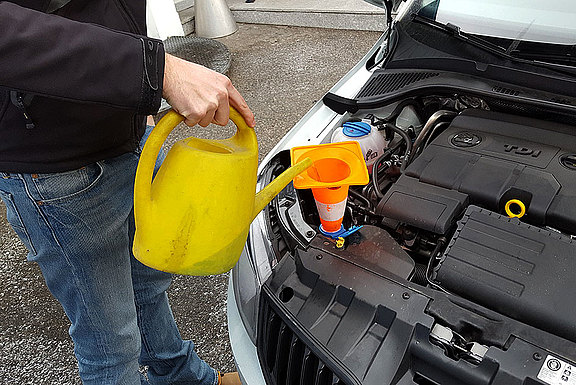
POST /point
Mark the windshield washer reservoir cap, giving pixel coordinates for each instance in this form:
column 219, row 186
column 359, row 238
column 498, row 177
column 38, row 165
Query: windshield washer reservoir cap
column 356, row 129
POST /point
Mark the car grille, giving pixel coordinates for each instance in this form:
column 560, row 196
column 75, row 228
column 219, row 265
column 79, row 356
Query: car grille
column 385, row 83
column 285, row 357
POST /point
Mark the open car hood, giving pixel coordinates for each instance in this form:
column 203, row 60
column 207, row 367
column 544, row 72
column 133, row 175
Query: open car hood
column 391, row 6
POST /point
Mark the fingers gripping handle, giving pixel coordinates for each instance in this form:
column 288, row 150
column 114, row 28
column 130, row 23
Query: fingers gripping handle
column 145, row 170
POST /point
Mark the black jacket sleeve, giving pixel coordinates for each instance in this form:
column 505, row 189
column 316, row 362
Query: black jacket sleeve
column 53, row 56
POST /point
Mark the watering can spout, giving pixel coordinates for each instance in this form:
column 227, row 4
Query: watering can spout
column 273, row 188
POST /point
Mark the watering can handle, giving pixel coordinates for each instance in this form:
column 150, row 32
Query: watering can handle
column 143, row 181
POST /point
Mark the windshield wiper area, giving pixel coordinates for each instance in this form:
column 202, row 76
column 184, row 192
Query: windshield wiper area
column 525, row 57
column 554, row 53
column 564, row 55
column 455, row 31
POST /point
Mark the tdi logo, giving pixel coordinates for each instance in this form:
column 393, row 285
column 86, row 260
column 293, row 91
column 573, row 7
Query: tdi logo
column 521, row 150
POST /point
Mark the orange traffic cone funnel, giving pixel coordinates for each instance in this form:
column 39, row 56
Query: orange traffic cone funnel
column 336, row 166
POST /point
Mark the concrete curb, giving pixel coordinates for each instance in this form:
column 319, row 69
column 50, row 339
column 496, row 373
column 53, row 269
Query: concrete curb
column 315, row 19
column 339, row 14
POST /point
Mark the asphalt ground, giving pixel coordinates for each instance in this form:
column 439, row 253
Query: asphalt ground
column 282, row 72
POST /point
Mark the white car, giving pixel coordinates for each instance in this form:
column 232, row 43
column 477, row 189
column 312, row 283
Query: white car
column 460, row 263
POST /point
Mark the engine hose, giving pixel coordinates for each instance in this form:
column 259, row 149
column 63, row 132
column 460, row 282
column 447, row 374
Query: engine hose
column 430, row 124
column 361, row 197
column 361, row 209
column 435, row 257
column 375, row 177
column 437, row 127
column 419, row 276
column 406, row 139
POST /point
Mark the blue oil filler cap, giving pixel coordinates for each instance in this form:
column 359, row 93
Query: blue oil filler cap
column 356, row 129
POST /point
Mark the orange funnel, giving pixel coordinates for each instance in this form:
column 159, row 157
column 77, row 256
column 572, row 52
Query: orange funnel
column 335, row 167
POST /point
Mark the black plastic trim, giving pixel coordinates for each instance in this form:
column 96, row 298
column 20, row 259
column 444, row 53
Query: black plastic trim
column 340, row 104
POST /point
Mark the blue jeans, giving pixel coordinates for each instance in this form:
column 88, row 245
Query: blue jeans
column 78, row 226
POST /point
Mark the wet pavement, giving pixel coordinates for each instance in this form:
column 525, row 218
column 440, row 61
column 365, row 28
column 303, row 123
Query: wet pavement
column 281, row 71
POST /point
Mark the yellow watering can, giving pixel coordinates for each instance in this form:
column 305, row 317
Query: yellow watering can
column 194, row 217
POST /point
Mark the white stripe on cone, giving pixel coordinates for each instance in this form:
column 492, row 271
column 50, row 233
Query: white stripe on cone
column 331, row 211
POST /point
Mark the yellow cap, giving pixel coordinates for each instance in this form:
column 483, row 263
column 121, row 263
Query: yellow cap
column 518, row 203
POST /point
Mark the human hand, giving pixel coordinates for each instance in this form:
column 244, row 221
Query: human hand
column 201, row 95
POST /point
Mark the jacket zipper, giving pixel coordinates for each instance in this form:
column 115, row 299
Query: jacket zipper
column 18, row 100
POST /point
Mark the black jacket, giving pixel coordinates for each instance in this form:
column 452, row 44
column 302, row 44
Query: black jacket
column 74, row 86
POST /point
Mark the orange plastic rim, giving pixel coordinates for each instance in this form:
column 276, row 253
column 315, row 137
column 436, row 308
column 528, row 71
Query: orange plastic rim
column 335, row 164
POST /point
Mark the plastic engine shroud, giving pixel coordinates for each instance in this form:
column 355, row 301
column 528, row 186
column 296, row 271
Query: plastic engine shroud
column 487, row 159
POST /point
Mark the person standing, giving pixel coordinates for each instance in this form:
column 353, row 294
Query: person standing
column 76, row 85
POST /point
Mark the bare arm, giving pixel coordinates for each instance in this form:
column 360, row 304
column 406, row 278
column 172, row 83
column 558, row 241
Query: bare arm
column 201, row 95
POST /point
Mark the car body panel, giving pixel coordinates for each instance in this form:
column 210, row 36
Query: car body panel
column 333, row 315
column 244, row 351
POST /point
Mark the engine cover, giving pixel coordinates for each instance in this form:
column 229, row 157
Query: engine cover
column 486, row 159
column 493, row 158
column 521, row 271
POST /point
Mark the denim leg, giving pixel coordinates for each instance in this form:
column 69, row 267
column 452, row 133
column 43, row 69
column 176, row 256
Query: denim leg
column 80, row 235
column 170, row 359
column 80, row 238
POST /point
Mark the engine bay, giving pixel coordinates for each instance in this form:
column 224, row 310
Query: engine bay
column 470, row 202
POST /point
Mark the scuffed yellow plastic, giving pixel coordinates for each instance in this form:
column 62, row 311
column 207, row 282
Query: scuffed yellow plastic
column 194, row 217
